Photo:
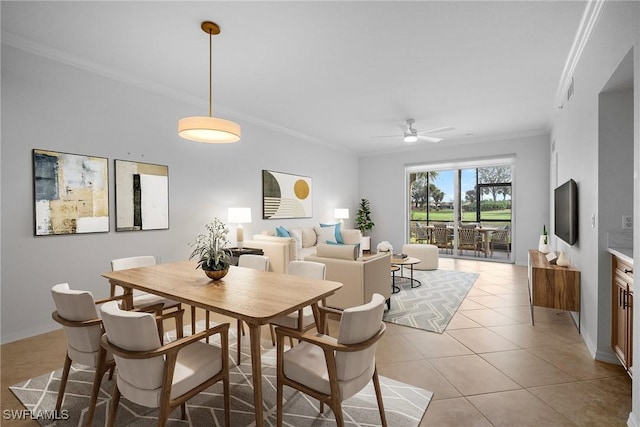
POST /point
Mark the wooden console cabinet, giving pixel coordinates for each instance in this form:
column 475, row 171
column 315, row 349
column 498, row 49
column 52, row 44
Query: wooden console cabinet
column 553, row 286
column 622, row 311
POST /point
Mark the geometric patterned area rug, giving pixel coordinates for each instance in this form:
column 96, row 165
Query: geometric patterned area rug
column 404, row 404
column 431, row 305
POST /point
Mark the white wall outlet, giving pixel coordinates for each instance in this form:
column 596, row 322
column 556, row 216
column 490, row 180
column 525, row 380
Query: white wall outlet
column 627, row 222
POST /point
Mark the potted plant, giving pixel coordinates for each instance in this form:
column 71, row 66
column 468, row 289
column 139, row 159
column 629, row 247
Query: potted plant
column 543, row 244
column 364, row 223
column 211, row 250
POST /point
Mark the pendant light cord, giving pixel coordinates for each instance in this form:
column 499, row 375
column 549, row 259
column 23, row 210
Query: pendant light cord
column 210, row 72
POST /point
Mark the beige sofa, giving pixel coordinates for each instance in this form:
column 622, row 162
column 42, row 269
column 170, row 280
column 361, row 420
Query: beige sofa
column 360, row 278
column 281, row 250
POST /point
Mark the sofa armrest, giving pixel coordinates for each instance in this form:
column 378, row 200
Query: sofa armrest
column 278, row 253
column 360, row 279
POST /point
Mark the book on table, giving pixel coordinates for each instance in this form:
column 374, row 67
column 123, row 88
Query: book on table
column 399, row 256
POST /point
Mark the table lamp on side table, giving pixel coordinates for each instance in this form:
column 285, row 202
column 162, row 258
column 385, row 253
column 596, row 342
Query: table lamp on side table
column 240, row 216
column 341, row 214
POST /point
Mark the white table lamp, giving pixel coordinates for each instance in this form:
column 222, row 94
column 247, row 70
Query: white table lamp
column 240, row 216
column 341, row 214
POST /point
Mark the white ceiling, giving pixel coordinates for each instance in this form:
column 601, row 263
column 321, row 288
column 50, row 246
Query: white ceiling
column 325, row 71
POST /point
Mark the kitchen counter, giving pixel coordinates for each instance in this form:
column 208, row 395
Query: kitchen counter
column 626, row 254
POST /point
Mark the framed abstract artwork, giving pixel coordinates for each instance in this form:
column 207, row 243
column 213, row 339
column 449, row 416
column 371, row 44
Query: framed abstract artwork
column 286, row 196
column 142, row 196
column 71, row 193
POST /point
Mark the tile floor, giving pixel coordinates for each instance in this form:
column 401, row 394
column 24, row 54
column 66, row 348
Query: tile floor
column 492, row 368
column 489, row 368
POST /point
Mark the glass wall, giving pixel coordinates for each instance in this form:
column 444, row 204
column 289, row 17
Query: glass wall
column 477, row 198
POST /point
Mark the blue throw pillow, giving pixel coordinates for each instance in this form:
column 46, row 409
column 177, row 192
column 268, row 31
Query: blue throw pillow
column 337, row 231
column 282, row 232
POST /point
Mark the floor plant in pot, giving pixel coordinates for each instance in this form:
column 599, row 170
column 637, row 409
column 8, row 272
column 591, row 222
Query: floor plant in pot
column 364, row 223
column 211, row 250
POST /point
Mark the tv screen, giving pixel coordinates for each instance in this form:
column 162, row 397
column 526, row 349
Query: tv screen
column 566, row 212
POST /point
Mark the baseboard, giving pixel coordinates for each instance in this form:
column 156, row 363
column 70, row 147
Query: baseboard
column 633, row 420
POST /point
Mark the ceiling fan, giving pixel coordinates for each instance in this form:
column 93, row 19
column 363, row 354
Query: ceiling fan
column 410, row 133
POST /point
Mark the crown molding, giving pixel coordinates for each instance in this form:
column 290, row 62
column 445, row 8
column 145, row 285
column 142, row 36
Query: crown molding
column 62, row 57
column 590, row 17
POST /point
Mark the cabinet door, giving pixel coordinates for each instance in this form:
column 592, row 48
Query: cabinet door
column 630, row 331
column 619, row 335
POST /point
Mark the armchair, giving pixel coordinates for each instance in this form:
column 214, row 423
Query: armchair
column 332, row 370
column 161, row 376
column 76, row 312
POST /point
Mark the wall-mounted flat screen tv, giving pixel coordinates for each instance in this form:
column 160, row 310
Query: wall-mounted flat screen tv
column 566, row 212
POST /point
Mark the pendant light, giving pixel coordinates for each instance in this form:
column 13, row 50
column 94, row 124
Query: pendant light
column 209, row 129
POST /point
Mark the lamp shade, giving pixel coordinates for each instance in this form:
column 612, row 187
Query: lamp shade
column 208, row 129
column 341, row 213
column 240, row 215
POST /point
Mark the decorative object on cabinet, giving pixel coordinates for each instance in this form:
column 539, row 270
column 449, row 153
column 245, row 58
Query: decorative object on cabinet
column 563, row 260
column 70, row 192
column 622, row 312
column 208, row 128
column 552, row 286
column 286, row 196
column 142, row 196
column 543, row 244
column 211, row 250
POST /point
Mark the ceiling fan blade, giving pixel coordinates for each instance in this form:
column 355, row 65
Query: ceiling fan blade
column 386, row 136
column 429, row 138
column 434, row 130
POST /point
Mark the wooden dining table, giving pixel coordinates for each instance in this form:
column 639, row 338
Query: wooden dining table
column 255, row 297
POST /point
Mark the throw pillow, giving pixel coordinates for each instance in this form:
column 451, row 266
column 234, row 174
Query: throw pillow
column 336, row 230
column 349, row 252
column 282, row 232
column 309, row 237
column 296, row 233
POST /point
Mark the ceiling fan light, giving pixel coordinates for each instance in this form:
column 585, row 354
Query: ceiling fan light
column 410, row 138
column 208, row 129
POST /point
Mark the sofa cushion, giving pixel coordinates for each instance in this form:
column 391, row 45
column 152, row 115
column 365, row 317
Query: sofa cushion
column 290, row 241
column 309, row 237
column 329, row 233
column 351, row 236
column 296, row 233
column 349, row 252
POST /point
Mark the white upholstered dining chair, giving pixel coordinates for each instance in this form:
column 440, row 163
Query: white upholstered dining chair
column 333, row 369
column 76, row 312
column 143, row 299
column 157, row 376
column 257, row 262
column 301, row 320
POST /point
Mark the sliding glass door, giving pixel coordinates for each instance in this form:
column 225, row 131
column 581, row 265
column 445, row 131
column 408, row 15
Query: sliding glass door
column 462, row 197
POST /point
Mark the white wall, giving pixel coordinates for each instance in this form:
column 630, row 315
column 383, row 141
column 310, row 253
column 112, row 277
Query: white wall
column 49, row 105
column 383, row 182
column 576, row 132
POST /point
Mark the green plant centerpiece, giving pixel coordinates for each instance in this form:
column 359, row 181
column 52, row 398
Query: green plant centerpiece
column 364, row 224
column 211, row 250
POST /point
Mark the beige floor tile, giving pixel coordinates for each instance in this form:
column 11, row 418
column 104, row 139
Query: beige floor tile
column 419, row 373
column 576, row 360
column 395, row 348
column 487, row 317
column 467, row 304
column 527, row 336
column 497, row 301
column 493, row 289
column 526, row 369
column 453, row 413
column 473, row 375
column 477, row 292
column 458, row 321
column 520, row 313
column 482, row 340
column 431, row 345
column 517, row 408
column 603, row 402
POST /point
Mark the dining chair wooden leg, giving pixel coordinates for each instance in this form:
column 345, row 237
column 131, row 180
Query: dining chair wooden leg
column 206, row 323
column 376, row 385
column 63, row 382
column 273, row 335
column 101, row 369
column 239, row 340
column 113, row 409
